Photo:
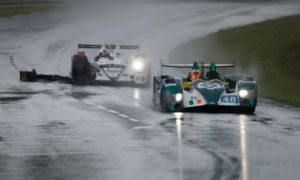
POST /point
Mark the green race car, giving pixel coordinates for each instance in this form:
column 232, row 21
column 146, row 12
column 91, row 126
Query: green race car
column 204, row 89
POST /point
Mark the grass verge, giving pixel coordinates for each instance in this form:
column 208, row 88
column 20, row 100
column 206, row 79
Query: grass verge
column 269, row 51
column 17, row 9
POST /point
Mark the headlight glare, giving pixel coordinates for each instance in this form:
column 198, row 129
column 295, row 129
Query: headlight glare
column 178, row 97
column 243, row 93
column 138, row 65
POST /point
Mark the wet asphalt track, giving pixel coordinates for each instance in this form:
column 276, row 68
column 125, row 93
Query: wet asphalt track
column 60, row 131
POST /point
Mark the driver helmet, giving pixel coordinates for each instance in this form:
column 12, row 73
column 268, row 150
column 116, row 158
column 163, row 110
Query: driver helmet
column 104, row 52
column 81, row 52
column 195, row 73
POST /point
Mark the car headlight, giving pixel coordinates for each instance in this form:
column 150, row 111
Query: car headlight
column 178, row 97
column 138, row 65
column 243, row 93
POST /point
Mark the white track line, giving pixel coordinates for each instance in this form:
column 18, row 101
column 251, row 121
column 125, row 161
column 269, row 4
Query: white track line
column 113, row 112
column 132, row 119
column 123, row 115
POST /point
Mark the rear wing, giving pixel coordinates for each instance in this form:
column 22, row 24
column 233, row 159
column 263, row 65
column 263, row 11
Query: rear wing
column 202, row 65
column 136, row 47
column 109, row 46
column 90, row 46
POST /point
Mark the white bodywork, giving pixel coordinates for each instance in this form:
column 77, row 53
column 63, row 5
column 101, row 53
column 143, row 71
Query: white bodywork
column 121, row 64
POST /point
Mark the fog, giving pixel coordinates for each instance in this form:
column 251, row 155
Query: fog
column 51, row 38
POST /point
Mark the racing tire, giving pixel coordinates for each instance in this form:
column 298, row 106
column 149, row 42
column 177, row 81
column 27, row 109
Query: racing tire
column 163, row 103
column 81, row 68
column 248, row 110
column 165, row 107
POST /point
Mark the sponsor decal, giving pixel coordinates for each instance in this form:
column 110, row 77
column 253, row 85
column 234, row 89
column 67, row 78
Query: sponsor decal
column 203, row 85
column 194, row 101
column 198, row 101
column 112, row 71
column 229, row 99
column 171, row 84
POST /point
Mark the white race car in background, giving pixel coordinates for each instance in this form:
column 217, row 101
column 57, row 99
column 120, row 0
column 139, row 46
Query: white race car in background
column 118, row 63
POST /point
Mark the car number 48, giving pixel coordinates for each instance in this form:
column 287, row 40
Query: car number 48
column 229, row 99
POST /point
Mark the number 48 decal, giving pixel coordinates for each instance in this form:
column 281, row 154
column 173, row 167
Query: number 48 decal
column 229, row 99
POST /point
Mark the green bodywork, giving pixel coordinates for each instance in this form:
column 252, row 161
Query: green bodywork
column 210, row 87
column 170, row 91
column 233, row 79
column 243, row 82
column 251, row 100
column 169, row 88
column 212, row 73
column 212, row 67
column 173, row 89
column 195, row 66
column 211, row 95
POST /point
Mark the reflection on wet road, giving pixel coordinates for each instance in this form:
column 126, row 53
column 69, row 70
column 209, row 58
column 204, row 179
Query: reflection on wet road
column 243, row 146
column 178, row 120
column 97, row 142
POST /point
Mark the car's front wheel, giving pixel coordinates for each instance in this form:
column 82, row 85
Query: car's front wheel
column 247, row 110
column 163, row 102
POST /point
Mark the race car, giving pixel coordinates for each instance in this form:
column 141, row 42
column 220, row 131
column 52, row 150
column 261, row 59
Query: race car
column 202, row 89
column 112, row 62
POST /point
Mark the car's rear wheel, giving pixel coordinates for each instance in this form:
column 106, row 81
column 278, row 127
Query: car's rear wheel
column 81, row 68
